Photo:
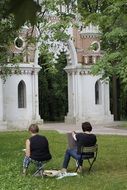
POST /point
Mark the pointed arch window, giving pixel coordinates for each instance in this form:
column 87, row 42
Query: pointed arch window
column 98, row 92
column 21, row 94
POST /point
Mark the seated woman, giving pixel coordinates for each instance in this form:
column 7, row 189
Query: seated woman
column 37, row 148
column 82, row 139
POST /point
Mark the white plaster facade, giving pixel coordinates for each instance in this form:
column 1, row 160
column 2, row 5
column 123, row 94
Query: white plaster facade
column 82, row 89
column 19, row 92
column 11, row 115
column 81, row 97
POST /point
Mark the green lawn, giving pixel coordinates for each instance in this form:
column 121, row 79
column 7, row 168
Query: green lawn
column 108, row 173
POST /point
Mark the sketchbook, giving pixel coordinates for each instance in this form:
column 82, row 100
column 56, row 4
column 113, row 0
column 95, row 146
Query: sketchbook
column 71, row 141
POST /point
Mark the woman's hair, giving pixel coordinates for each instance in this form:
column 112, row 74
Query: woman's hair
column 34, row 128
column 86, row 126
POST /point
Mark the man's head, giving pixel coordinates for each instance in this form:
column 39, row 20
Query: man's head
column 86, row 126
column 33, row 128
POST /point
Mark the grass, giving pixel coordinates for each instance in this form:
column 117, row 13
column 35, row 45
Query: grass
column 108, row 173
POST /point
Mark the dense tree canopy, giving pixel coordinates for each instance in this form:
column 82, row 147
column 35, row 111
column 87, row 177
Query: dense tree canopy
column 53, row 101
column 111, row 16
column 15, row 14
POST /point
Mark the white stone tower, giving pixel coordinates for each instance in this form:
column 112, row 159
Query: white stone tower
column 19, row 93
column 88, row 96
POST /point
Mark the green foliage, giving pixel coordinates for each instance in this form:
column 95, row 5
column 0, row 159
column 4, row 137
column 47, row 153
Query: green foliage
column 108, row 172
column 111, row 16
column 7, row 36
column 15, row 14
column 24, row 11
column 52, row 87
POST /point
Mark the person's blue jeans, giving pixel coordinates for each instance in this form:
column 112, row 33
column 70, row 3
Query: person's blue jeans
column 26, row 161
column 71, row 153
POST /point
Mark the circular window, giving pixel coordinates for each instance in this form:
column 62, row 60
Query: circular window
column 95, row 46
column 19, row 42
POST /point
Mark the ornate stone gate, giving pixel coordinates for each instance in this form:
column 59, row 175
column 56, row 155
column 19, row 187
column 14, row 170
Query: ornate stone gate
column 88, row 95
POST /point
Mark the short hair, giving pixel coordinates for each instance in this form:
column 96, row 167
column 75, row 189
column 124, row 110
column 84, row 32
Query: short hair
column 33, row 128
column 86, row 126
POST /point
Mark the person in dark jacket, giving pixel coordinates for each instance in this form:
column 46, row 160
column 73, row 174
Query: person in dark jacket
column 37, row 148
column 82, row 139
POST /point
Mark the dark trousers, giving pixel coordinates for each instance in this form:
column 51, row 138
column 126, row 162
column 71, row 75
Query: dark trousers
column 26, row 161
column 71, row 153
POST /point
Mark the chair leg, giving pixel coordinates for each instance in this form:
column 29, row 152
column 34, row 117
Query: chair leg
column 77, row 168
column 80, row 169
column 77, row 165
column 39, row 171
column 91, row 164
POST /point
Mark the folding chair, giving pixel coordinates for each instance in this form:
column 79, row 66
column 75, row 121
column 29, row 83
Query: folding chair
column 90, row 154
column 40, row 167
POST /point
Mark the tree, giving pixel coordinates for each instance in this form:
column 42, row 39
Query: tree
column 37, row 7
column 7, row 34
column 51, row 18
column 52, row 88
column 14, row 15
column 111, row 16
column 23, row 11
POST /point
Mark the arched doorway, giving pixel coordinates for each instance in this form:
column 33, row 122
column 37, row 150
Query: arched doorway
column 53, row 98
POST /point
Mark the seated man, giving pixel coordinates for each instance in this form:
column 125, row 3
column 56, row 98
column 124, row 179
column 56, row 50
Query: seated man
column 37, row 148
column 82, row 139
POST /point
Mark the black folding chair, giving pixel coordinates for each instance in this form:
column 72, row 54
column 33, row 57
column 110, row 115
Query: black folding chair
column 40, row 167
column 90, row 154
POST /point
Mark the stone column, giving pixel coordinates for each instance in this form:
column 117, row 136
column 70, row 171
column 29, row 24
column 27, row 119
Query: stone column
column 36, row 115
column 1, row 99
column 72, row 103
